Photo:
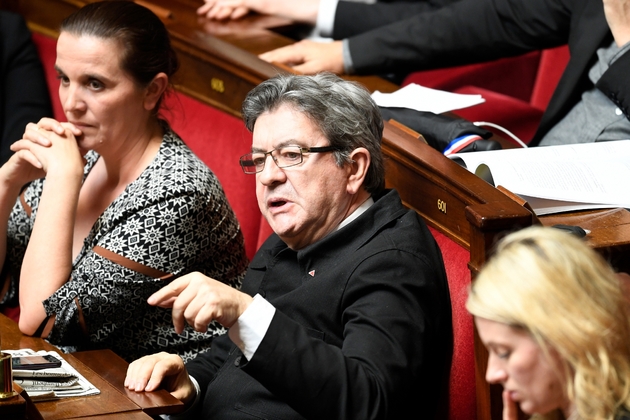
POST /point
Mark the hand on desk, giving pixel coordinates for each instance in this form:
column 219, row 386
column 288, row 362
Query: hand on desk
column 149, row 372
column 304, row 11
column 200, row 300
column 309, row 57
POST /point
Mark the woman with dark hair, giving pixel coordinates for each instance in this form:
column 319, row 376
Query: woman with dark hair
column 100, row 211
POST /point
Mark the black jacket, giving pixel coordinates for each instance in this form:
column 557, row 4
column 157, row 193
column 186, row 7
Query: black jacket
column 362, row 328
column 24, row 94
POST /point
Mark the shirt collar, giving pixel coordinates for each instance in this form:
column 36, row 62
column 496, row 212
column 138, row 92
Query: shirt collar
column 358, row 212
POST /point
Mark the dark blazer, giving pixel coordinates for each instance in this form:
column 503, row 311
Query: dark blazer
column 353, row 18
column 24, row 95
column 362, row 328
column 473, row 31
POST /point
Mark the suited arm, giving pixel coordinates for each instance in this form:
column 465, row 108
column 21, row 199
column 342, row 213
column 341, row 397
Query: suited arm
column 468, row 31
column 24, row 94
column 614, row 83
column 377, row 14
column 389, row 314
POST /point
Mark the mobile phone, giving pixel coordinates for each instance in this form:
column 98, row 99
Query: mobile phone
column 35, row 362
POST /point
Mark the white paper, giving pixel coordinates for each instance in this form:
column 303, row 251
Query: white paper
column 560, row 178
column 425, row 99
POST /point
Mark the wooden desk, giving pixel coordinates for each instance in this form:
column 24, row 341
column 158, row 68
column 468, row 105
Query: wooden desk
column 103, row 369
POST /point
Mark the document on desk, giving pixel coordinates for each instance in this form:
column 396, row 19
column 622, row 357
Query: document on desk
column 424, row 99
column 52, row 383
column 563, row 178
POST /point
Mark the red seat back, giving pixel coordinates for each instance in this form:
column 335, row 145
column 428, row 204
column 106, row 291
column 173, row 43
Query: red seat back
column 47, row 50
column 552, row 64
column 512, row 76
column 462, row 390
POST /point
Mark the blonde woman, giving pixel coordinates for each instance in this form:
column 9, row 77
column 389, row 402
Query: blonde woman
column 556, row 324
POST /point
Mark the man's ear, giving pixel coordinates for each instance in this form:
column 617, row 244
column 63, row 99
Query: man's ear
column 155, row 90
column 357, row 169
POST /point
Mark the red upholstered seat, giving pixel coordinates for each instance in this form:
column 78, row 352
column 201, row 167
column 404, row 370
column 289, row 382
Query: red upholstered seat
column 513, row 76
column 517, row 89
column 519, row 116
column 47, row 50
column 516, row 115
column 462, row 390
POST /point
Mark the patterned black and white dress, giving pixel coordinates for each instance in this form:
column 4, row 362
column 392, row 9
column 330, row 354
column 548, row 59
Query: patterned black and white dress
column 172, row 220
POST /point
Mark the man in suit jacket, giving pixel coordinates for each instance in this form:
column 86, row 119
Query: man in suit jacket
column 344, row 312
column 472, row 31
column 24, row 94
column 330, row 18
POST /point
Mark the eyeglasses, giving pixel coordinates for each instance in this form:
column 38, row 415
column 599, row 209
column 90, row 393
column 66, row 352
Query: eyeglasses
column 285, row 157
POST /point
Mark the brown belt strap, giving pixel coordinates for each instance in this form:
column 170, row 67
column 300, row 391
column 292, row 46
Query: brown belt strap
column 130, row 264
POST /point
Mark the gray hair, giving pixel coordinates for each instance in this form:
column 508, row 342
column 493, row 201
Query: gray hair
column 343, row 111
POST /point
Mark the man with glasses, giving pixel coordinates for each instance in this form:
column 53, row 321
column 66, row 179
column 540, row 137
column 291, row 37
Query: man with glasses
column 344, row 311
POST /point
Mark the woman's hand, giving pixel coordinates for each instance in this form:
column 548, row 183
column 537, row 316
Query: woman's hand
column 51, row 148
column 510, row 411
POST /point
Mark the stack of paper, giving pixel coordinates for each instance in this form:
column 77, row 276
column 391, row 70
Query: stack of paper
column 424, row 99
column 52, row 383
column 562, row 178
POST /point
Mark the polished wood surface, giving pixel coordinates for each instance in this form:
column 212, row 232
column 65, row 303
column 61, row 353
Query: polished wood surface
column 113, row 399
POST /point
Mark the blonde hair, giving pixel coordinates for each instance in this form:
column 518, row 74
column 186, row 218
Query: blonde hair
column 569, row 299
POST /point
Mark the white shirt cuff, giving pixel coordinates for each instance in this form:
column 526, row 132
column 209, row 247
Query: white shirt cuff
column 250, row 328
column 326, row 17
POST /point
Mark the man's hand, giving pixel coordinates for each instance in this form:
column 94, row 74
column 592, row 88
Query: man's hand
column 309, row 57
column 618, row 17
column 304, row 11
column 148, row 372
column 223, row 9
column 200, row 300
